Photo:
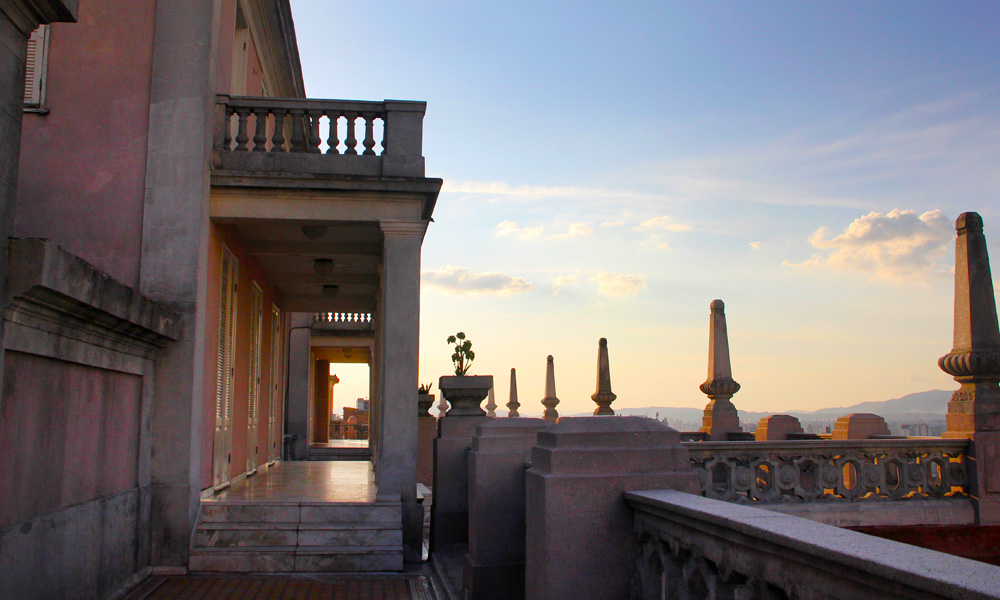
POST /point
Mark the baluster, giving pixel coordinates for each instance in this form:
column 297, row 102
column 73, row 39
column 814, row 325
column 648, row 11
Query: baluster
column 278, row 139
column 260, row 136
column 369, row 134
column 385, row 132
column 332, row 141
column 298, row 137
column 351, row 141
column 241, row 130
column 228, row 138
column 314, row 140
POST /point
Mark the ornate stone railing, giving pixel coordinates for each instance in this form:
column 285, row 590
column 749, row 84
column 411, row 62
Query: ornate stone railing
column 836, row 471
column 343, row 320
column 324, row 136
column 695, row 547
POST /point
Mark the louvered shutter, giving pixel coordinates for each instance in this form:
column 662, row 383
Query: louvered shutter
column 34, row 76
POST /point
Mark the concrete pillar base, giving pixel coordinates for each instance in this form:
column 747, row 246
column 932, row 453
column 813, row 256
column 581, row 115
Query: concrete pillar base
column 450, row 511
column 580, row 538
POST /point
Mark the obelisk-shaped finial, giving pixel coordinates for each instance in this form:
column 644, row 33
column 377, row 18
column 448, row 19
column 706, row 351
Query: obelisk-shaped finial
column 974, row 360
column 513, row 404
column 603, row 396
column 491, row 405
column 720, row 415
column 550, row 400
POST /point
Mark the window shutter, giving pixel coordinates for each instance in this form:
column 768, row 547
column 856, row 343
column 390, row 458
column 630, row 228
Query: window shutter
column 34, row 76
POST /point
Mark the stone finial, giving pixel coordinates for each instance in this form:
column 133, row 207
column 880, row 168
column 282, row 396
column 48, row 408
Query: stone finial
column 603, row 396
column 974, row 360
column 550, row 400
column 720, row 414
column 491, row 405
column 513, row 404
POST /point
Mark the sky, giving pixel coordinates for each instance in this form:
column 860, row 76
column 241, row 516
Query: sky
column 611, row 168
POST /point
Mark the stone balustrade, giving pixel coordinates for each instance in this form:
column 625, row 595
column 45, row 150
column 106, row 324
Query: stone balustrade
column 343, row 321
column 349, row 137
column 831, row 470
column 695, row 547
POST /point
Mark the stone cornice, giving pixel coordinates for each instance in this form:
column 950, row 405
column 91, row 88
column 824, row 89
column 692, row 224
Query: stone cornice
column 52, row 290
column 27, row 15
column 403, row 227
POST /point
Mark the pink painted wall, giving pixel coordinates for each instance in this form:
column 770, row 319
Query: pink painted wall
column 74, row 431
column 250, row 271
column 83, row 165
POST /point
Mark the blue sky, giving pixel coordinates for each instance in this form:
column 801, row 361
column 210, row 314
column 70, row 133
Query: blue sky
column 610, row 168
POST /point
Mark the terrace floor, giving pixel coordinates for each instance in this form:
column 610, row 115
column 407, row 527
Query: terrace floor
column 298, row 482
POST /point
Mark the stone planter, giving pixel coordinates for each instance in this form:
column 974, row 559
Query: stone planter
column 465, row 393
column 424, row 404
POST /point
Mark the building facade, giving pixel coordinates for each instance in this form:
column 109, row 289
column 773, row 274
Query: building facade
column 174, row 217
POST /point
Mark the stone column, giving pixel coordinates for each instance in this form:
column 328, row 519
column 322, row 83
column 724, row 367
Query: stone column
column 720, row 416
column 494, row 565
column 974, row 362
column 299, row 372
column 426, row 432
column 175, row 257
column 321, row 402
column 400, row 332
column 580, row 540
column 18, row 18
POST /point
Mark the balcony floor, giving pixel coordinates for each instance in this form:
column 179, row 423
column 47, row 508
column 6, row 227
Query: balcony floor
column 297, row 482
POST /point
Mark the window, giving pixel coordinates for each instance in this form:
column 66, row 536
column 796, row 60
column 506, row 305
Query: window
column 37, row 65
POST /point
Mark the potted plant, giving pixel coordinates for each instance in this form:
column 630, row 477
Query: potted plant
column 464, row 392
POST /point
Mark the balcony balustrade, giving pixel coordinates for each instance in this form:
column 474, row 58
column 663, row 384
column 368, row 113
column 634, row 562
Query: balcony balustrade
column 695, row 547
column 338, row 137
column 343, row 321
column 831, row 471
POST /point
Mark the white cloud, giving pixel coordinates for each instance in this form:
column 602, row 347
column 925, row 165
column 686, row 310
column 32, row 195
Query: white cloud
column 575, row 230
column 613, row 224
column 565, row 281
column 619, row 285
column 525, row 233
column 665, row 223
column 459, row 280
column 898, row 246
column 755, row 245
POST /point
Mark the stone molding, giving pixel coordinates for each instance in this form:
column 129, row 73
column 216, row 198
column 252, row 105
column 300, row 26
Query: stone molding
column 55, row 292
column 27, row 15
column 403, row 227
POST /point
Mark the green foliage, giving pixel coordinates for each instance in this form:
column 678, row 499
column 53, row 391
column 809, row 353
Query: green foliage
column 425, row 388
column 463, row 355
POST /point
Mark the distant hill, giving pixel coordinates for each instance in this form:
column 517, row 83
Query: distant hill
column 932, row 404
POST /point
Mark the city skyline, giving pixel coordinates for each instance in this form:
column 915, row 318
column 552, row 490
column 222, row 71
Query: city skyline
column 610, row 170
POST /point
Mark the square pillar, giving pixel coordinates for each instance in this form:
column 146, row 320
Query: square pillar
column 400, row 340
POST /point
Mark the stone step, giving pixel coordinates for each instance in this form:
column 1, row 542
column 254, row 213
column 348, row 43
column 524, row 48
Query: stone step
column 235, row 535
column 256, row 512
column 289, row 559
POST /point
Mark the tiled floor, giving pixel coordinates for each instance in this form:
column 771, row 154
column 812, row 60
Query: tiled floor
column 297, row 482
column 260, row 587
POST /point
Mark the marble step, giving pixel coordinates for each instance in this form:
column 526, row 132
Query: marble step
column 235, row 535
column 259, row 512
column 289, row 559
